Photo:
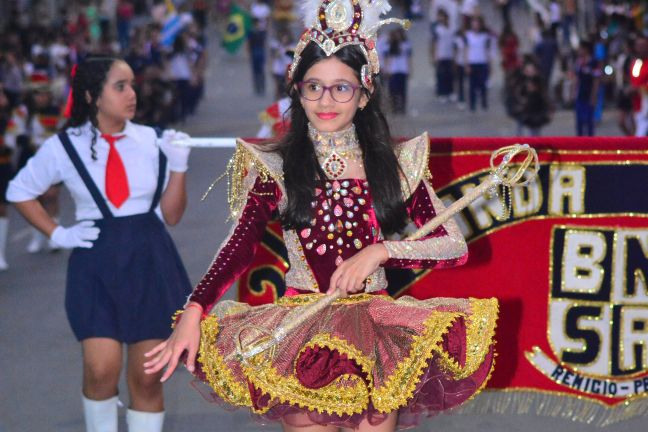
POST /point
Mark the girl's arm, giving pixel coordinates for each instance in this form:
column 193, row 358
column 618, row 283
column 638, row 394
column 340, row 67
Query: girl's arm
column 234, row 257
column 237, row 251
column 174, row 198
column 444, row 247
column 34, row 212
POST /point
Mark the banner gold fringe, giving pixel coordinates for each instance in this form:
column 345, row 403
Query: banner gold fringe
column 553, row 404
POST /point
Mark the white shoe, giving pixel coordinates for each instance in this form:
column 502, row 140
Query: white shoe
column 140, row 421
column 3, row 264
column 37, row 242
column 100, row 415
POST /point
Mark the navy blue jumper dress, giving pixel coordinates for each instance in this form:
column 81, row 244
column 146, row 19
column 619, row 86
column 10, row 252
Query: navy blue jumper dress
column 129, row 284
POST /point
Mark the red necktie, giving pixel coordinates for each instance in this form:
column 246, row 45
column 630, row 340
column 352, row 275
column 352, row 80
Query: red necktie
column 116, row 180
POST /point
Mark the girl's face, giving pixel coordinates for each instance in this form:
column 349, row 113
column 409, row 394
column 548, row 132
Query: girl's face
column 326, row 114
column 118, row 101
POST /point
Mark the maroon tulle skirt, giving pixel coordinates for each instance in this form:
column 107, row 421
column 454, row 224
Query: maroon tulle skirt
column 361, row 359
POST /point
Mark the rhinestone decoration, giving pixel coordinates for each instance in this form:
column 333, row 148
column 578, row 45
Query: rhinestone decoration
column 334, row 151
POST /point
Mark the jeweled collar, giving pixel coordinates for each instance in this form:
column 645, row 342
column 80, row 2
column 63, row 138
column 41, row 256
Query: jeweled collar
column 339, row 141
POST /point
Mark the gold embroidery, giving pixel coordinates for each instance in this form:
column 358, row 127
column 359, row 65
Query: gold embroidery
column 248, row 163
column 349, row 394
column 343, row 347
column 480, row 331
column 346, row 395
column 305, row 299
column 217, row 372
column 399, row 387
column 413, row 158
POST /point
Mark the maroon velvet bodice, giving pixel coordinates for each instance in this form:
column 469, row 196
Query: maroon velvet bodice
column 343, row 223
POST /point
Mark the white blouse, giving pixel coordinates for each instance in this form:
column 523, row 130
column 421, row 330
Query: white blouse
column 51, row 165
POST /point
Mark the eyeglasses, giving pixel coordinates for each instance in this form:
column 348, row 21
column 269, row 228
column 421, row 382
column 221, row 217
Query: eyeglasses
column 314, row 91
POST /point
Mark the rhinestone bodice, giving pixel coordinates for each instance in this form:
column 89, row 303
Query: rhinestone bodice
column 343, row 222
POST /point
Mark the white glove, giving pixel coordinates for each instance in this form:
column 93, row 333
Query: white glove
column 177, row 156
column 80, row 235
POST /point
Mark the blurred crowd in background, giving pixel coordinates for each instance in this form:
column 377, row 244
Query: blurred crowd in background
column 581, row 55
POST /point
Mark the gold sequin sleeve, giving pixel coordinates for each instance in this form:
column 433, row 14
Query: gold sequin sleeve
column 444, row 247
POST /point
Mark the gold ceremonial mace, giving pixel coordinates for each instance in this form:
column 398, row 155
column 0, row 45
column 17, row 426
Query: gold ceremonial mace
column 507, row 174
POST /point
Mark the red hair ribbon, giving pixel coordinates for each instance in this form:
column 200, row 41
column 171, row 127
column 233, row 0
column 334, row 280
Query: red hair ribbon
column 67, row 112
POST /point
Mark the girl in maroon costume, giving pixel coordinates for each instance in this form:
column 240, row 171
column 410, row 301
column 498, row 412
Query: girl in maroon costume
column 339, row 185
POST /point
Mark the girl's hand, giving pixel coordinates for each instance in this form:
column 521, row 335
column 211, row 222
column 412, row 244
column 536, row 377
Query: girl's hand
column 351, row 274
column 185, row 337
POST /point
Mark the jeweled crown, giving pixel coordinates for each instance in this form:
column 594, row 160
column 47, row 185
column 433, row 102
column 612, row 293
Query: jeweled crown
column 334, row 24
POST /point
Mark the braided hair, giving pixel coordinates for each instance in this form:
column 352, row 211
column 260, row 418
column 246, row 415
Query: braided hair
column 88, row 83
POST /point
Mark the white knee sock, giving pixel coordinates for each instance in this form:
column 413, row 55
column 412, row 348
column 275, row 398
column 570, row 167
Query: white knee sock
column 140, row 421
column 100, row 415
column 4, row 228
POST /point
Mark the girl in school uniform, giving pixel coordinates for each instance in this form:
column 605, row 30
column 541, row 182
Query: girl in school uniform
column 125, row 277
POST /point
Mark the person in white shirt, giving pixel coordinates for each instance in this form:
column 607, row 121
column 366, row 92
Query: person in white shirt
column 125, row 278
column 398, row 65
column 479, row 51
column 442, row 52
column 260, row 10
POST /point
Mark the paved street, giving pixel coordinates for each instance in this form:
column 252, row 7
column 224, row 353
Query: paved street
column 40, row 364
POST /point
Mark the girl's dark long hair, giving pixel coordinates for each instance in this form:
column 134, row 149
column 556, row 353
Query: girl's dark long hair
column 89, row 80
column 300, row 165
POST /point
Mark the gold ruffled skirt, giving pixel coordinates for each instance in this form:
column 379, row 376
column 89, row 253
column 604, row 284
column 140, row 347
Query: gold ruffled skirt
column 362, row 357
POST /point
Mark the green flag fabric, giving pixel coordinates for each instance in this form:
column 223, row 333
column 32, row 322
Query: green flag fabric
column 238, row 24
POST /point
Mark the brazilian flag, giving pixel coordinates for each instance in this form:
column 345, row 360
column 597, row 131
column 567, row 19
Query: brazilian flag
column 238, row 24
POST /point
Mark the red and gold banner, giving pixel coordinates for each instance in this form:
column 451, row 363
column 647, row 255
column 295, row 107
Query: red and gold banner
column 570, row 269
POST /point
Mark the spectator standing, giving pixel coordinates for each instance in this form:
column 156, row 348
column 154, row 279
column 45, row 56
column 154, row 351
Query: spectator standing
column 601, row 57
column 527, row 99
column 546, row 51
column 478, row 58
column 281, row 50
column 569, row 20
column 256, row 46
column 125, row 12
column 398, row 63
column 509, row 44
column 442, row 54
column 198, row 58
column 588, row 76
column 13, row 75
column 181, row 73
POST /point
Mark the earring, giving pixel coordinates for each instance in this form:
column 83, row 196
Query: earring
column 365, row 77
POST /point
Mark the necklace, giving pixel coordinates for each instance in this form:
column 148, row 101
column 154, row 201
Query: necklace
column 335, row 149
